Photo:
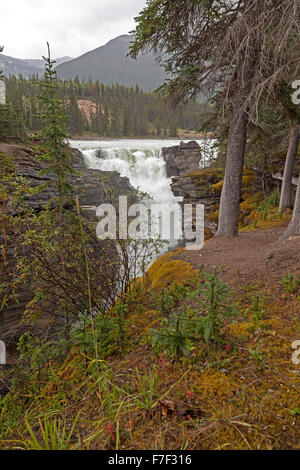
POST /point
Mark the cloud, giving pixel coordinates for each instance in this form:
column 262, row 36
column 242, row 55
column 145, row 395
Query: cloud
column 72, row 27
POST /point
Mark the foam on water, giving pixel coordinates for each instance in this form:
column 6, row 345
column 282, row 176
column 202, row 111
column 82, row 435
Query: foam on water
column 141, row 161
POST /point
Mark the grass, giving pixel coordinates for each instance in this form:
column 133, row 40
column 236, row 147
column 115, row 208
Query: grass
column 51, row 435
column 245, row 394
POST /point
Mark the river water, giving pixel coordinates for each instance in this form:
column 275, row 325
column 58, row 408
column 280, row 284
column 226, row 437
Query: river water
column 140, row 160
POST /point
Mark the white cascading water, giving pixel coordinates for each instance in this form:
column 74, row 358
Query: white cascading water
column 141, row 161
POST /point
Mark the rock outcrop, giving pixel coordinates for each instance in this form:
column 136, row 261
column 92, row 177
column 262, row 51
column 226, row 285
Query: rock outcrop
column 87, row 183
column 201, row 187
column 92, row 187
column 182, row 159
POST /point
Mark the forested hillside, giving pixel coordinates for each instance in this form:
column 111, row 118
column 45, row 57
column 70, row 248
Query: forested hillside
column 110, row 64
column 102, row 110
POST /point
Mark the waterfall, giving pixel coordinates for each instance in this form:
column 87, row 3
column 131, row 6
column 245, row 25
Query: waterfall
column 140, row 161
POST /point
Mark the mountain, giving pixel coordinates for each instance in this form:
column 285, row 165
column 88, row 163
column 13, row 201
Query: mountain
column 11, row 66
column 40, row 63
column 109, row 65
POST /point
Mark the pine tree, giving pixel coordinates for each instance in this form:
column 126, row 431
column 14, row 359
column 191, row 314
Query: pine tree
column 111, row 110
column 1, row 73
column 57, row 154
column 232, row 51
column 2, row 110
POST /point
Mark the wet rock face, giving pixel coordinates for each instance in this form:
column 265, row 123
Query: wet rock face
column 99, row 153
column 182, row 158
column 93, row 184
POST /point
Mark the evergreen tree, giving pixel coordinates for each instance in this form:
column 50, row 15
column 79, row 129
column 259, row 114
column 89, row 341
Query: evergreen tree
column 233, row 51
column 104, row 110
column 1, row 73
column 57, row 154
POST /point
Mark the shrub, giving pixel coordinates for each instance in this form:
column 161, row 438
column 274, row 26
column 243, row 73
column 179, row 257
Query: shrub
column 185, row 328
column 291, row 283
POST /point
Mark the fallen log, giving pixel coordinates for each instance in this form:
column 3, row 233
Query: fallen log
column 275, row 176
column 279, row 176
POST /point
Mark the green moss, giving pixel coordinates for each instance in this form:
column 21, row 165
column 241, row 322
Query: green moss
column 6, row 164
column 207, row 176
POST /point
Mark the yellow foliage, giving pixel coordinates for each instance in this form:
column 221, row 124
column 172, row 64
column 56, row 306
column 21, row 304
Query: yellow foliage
column 207, row 234
column 213, row 384
column 205, row 172
column 164, row 273
column 214, row 216
column 206, row 175
column 264, row 220
column 248, row 178
column 240, row 328
column 141, row 323
column 251, row 201
column 218, row 186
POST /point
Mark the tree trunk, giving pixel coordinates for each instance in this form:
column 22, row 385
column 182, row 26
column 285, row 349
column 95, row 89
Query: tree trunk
column 294, row 226
column 231, row 191
column 285, row 195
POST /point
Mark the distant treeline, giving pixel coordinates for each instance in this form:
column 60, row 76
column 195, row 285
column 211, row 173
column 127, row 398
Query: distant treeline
column 104, row 110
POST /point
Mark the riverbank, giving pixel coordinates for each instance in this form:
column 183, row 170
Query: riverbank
column 192, row 136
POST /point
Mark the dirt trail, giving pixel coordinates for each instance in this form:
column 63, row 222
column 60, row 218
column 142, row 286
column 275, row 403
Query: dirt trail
column 252, row 256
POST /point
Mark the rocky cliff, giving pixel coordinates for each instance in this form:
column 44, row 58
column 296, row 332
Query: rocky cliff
column 194, row 185
column 87, row 184
column 201, row 187
column 182, row 159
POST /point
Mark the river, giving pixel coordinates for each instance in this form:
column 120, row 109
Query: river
column 141, row 161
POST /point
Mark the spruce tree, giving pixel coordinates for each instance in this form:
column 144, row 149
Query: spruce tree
column 1, row 73
column 235, row 52
column 103, row 110
column 57, row 154
column 2, row 113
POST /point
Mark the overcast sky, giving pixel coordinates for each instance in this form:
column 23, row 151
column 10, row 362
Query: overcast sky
column 72, row 27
